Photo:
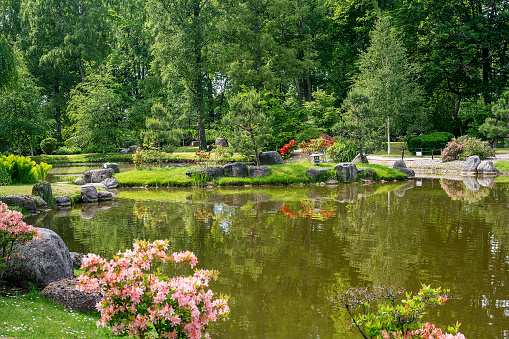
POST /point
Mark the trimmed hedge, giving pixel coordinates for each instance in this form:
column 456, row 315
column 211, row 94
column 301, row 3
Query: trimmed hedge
column 435, row 141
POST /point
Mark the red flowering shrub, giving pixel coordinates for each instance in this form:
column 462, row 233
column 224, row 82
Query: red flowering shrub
column 315, row 146
column 287, row 149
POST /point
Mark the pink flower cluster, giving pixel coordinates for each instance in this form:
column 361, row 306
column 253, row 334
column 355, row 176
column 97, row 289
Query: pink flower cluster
column 137, row 300
column 427, row 331
column 13, row 230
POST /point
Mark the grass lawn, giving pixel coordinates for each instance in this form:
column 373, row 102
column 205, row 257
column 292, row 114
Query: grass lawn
column 57, row 189
column 31, row 316
column 280, row 175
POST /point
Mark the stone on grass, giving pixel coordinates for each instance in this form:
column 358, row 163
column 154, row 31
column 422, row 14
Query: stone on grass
column 97, row 175
column 24, row 201
column 79, row 181
column 315, row 173
column 257, row 171
column 104, row 195
column 110, row 182
column 99, row 186
column 211, row 172
column 88, row 193
column 366, row 173
column 346, row 172
column 133, row 148
column 124, row 151
column 270, row 158
column 360, row 159
column 63, row 200
column 65, row 292
column 41, row 262
column 470, row 165
column 113, row 165
column 43, row 190
column 39, row 202
column 236, row 169
column 401, row 166
column 221, row 142
column 486, row 167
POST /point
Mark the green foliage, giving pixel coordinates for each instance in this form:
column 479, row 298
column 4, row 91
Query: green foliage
column 435, row 141
column 342, row 151
column 321, row 111
column 464, row 147
column 20, row 169
column 42, row 170
column 5, row 178
column 498, row 126
column 384, row 173
column 8, row 65
column 67, row 150
column 502, row 165
column 48, row 145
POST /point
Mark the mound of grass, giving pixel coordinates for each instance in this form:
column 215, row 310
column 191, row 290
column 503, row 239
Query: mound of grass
column 57, row 189
column 384, row 173
column 502, row 165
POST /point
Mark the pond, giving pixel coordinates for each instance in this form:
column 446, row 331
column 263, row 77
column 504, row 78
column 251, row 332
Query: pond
column 282, row 251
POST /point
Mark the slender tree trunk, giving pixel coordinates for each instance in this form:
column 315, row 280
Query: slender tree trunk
column 455, row 113
column 299, row 93
column 309, row 90
column 388, row 135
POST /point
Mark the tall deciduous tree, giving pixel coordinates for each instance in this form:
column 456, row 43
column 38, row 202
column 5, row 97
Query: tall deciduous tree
column 183, row 30
column 8, row 68
column 388, row 79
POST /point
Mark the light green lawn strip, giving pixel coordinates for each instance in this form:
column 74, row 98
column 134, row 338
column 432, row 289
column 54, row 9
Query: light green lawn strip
column 502, row 165
column 57, row 189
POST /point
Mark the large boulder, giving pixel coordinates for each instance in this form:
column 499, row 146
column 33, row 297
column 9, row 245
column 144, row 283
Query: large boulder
column 133, row 148
column 63, row 200
column 40, row 203
column 97, row 175
column 43, row 190
column 346, row 172
column 401, row 166
column 66, row 293
column 257, row 171
column 270, row 158
column 470, row 165
column 113, row 165
column 104, row 195
column 221, row 142
column 40, row 262
column 24, row 201
column 315, row 173
column 110, row 182
column 124, row 151
column 236, row 169
column 211, row 172
column 88, row 193
column 486, row 167
column 79, row 181
column 363, row 159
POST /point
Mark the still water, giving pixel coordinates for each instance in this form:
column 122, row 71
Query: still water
column 282, row 251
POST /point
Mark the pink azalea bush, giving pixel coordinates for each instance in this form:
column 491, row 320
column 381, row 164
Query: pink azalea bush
column 427, row 331
column 465, row 146
column 138, row 302
column 13, row 230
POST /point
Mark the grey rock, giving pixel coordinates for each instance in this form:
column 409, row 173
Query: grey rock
column 366, row 173
column 236, row 169
column 257, row 171
column 124, row 151
column 77, row 259
column 25, row 201
column 471, row 183
column 97, row 175
column 43, row 190
column 39, row 202
column 470, row 165
column 360, row 159
column 270, row 158
column 79, row 181
column 113, row 165
column 221, row 142
column 99, row 186
column 211, row 172
column 401, row 166
column 133, row 148
column 63, row 200
column 104, row 195
column 88, row 193
column 65, row 292
column 315, row 173
column 486, row 167
column 41, row 263
column 346, row 172
column 110, row 183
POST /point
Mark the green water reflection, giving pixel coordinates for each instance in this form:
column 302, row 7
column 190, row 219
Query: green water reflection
column 281, row 251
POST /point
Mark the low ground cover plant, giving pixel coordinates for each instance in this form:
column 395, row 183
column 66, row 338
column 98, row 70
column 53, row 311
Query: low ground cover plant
column 140, row 300
column 378, row 312
column 466, row 146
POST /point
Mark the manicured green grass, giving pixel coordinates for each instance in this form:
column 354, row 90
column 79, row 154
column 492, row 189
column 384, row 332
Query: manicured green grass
column 31, row 316
column 502, row 165
column 57, row 189
column 285, row 174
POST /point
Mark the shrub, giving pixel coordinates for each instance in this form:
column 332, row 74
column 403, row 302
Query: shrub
column 318, row 145
column 138, row 302
column 48, row 145
column 20, row 169
column 12, row 231
column 286, row 150
column 42, row 171
column 5, row 178
column 464, row 147
column 66, row 150
column 434, row 141
column 342, row 151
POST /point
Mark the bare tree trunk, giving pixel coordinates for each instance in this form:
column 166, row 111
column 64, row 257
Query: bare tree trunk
column 388, row 135
column 299, row 92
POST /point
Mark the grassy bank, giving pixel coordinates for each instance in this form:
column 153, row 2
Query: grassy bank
column 280, row 175
column 31, row 316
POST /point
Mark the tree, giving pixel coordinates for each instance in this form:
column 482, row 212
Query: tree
column 158, row 130
column 388, row 79
column 8, row 68
column 252, row 127
column 497, row 126
column 95, row 107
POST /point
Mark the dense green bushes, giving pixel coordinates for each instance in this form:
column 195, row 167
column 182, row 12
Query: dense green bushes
column 48, row 145
column 21, row 170
column 434, row 141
